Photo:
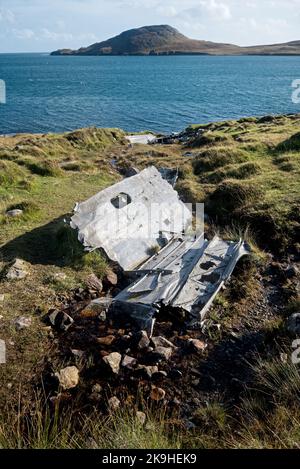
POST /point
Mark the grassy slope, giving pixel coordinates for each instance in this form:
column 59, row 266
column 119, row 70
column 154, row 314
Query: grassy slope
column 247, row 172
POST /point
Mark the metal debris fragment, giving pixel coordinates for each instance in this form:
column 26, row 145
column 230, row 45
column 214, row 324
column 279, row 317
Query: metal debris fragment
column 172, row 268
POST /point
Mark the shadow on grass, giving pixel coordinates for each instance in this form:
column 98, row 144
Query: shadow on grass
column 47, row 244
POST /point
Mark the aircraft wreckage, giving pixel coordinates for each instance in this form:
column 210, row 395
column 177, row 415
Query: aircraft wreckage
column 142, row 225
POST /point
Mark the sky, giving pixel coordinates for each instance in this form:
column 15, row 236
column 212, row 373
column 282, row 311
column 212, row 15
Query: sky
column 47, row 25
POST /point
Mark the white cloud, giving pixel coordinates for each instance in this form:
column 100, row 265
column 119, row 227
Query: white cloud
column 6, row 15
column 24, row 33
column 167, row 11
column 215, row 9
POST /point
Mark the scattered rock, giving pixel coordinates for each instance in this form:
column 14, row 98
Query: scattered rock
column 163, row 353
column 14, row 213
column 91, row 443
column 143, row 340
column 162, row 342
column 157, row 394
column 293, row 324
column 79, row 354
column 60, row 276
column 284, row 357
column 22, row 322
column 17, row 271
column 141, row 417
column 159, row 375
column 68, row 377
column 2, row 352
column 108, row 340
column 114, row 403
column 97, row 388
column 102, row 316
column 129, row 362
column 176, row 401
column 197, row 345
column 148, row 370
column 113, row 360
column 60, row 320
column 2, row 298
column 110, row 279
column 94, row 283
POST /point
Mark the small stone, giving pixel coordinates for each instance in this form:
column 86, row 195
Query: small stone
column 2, row 352
column 111, row 279
column 159, row 375
column 95, row 397
column 176, row 401
column 164, row 353
column 97, row 388
column 114, row 403
column 129, row 362
column 60, row 276
column 197, row 345
column 2, row 298
column 162, row 342
column 22, row 323
column 143, row 340
column 293, row 324
column 14, row 213
column 108, row 340
column 79, row 354
column 148, row 370
column 102, row 316
column 113, row 360
column 68, row 377
column 17, row 271
column 284, row 357
column 91, row 443
column 60, row 320
column 157, row 394
column 141, row 417
column 94, row 283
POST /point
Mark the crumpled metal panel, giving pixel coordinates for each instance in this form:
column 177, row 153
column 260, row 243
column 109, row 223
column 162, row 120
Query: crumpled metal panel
column 186, row 275
column 117, row 218
column 141, row 139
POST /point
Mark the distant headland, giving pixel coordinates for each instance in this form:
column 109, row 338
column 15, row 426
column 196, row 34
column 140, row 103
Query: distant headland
column 166, row 40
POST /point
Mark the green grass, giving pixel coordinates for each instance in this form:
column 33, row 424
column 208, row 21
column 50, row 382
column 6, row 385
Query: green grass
column 247, row 173
column 55, row 427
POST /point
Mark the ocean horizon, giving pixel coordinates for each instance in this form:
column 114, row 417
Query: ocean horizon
column 163, row 94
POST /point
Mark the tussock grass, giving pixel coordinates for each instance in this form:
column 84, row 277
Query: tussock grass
column 71, row 250
column 44, row 168
column 291, row 144
column 215, row 158
column 56, row 427
column 230, row 195
column 243, row 171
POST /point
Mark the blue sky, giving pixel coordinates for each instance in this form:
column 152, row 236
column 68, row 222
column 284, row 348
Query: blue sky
column 46, row 25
